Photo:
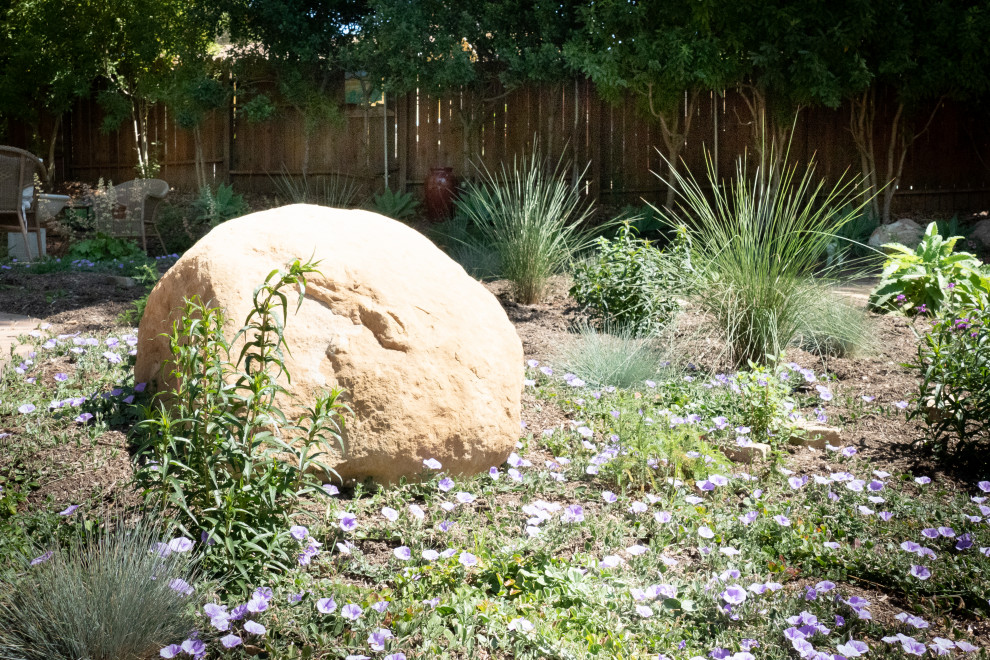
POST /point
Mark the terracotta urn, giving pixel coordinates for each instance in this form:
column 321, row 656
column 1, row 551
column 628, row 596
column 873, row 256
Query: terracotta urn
column 440, row 189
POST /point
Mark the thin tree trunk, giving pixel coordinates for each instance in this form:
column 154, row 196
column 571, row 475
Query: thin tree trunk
column 674, row 134
column 51, row 150
column 201, row 178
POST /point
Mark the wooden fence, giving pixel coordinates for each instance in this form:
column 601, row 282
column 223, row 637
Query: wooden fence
column 947, row 169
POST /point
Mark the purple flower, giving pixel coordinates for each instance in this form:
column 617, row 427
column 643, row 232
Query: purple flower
column 83, row 418
column 326, row 605
column 348, row 522
column 298, row 532
column 376, row 640
column 920, row 572
column 445, row 484
column 69, row 510
column 170, row 651
column 43, row 558
column 112, row 358
column 705, row 532
column 254, row 627
column 734, row 594
column 573, row 514
column 194, row 646
column 403, row 552
column 351, row 611
column 26, row 408
column 782, row 520
column 432, row 463
column 913, row 647
column 330, row 489
column 984, row 486
column 662, row 517
column 230, row 641
column 466, row 559
column 180, row 544
column 465, row 498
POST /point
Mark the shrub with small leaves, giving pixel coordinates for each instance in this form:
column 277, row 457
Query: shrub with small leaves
column 629, row 284
column 216, row 444
column 954, row 365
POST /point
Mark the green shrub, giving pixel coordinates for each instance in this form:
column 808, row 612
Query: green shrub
column 213, row 207
column 394, row 204
column 762, row 401
column 953, row 363
column 621, row 359
column 919, row 280
column 531, row 218
column 211, row 452
column 627, row 284
column 109, row 595
column 757, row 243
column 102, row 247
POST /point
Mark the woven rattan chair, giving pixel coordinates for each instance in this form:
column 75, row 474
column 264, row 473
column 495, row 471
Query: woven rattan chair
column 138, row 203
column 18, row 196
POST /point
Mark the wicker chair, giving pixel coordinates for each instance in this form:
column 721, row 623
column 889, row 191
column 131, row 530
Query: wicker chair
column 137, row 203
column 18, row 196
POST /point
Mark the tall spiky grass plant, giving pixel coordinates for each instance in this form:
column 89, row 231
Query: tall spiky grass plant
column 759, row 240
column 114, row 594
column 531, row 217
column 335, row 191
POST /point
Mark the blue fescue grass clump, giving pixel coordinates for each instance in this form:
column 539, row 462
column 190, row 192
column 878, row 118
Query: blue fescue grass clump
column 118, row 592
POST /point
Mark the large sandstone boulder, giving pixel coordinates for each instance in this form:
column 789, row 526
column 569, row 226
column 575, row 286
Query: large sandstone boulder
column 431, row 365
column 905, row 231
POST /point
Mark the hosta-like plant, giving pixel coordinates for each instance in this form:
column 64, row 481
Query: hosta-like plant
column 216, row 445
column 930, row 277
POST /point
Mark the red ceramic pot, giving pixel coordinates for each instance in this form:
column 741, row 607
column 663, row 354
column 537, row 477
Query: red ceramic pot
column 440, row 189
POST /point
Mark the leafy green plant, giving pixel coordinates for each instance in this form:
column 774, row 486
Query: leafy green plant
column 394, row 204
column 648, row 454
column 762, row 400
column 922, row 280
column 112, row 593
column 953, row 363
column 757, row 242
column 215, row 206
column 336, row 191
column 102, row 248
column 210, row 441
column 627, row 284
column 531, row 217
column 620, row 358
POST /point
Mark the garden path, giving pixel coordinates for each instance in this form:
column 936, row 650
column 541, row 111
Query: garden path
column 12, row 325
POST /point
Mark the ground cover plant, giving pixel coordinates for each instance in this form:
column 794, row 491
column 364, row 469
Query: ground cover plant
column 619, row 527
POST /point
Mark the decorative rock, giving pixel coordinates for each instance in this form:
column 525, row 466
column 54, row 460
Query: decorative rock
column 813, row 434
column 981, row 235
column 749, row 453
column 905, row 231
column 429, row 362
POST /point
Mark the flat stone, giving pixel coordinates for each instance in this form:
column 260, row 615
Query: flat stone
column 814, row 434
column 123, row 281
column 748, row 454
column 11, row 327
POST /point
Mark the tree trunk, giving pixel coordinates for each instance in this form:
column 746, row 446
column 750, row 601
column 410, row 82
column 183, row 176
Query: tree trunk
column 675, row 135
column 900, row 137
column 50, row 173
column 200, row 161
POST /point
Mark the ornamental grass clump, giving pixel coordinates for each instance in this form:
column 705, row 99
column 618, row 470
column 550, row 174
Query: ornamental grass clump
column 531, row 217
column 116, row 593
column 215, row 446
column 620, row 358
column 760, row 244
